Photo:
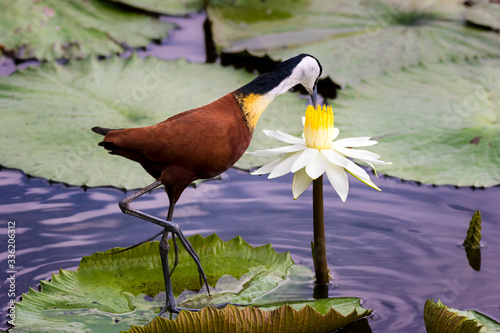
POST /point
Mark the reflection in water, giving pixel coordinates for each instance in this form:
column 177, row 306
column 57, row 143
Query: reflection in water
column 360, row 326
column 394, row 248
column 474, row 257
column 321, row 291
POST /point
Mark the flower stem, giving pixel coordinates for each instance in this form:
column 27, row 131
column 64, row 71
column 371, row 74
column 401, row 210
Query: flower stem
column 319, row 248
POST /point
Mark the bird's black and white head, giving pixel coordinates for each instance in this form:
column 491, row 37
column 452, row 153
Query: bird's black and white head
column 255, row 96
column 303, row 69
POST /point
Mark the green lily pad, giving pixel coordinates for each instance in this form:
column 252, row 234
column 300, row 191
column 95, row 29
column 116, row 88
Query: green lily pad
column 48, row 111
column 483, row 12
column 112, row 282
column 439, row 318
column 442, row 128
column 73, row 29
column 354, row 40
column 114, row 291
column 171, row 7
column 291, row 318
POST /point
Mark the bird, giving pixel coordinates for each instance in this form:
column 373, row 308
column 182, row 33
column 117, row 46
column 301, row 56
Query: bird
column 202, row 143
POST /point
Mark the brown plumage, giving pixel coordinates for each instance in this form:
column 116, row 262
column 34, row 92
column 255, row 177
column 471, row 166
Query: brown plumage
column 196, row 144
column 202, row 143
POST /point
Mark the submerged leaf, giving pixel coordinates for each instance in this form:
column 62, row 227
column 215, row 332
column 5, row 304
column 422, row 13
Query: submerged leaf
column 353, row 39
column 55, row 29
column 442, row 128
column 439, row 318
column 48, row 111
column 290, row 318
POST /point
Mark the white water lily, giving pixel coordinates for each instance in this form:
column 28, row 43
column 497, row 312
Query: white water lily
column 317, row 152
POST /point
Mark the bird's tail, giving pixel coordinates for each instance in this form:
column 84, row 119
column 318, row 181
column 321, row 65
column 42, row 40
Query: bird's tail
column 102, row 130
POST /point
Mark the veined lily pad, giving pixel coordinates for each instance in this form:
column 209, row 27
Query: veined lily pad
column 441, row 319
column 290, row 318
column 354, row 40
column 171, row 7
column 442, row 128
column 48, row 111
column 483, row 12
column 66, row 29
column 113, row 291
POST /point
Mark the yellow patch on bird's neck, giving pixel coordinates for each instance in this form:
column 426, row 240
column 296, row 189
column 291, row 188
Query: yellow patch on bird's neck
column 252, row 106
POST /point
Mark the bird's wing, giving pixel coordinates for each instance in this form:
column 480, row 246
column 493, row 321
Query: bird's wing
column 209, row 137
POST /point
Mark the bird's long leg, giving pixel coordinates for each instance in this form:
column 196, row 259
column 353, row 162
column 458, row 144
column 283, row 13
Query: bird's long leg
column 168, row 226
column 176, row 251
column 169, row 303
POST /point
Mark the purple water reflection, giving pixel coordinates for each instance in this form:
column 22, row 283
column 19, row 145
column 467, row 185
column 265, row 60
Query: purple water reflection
column 395, row 248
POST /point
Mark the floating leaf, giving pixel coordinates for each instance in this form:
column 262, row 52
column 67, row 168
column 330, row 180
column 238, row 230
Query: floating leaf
column 113, row 291
column 439, row 318
column 117, row 283
column 298, row 317
column 48, row 111
column 171, row 7
column 66, row 29
column 442, row 128
column 354, row 40
column 483, row 12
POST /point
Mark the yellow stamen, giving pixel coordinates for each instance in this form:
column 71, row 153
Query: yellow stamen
column 318, row 128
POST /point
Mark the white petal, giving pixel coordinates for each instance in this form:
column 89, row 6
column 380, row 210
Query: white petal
column 317, row 166
column 267, row 168
column 336, row 133
column 305, row 157
column 300, row 182
column 278, row 151
column 284, row 167
column 373, row 168
column 355, row 142
column 284, row 137
column 362, row 155
column 338, row 178
column 333, row 157
column 366, row 181
column 340, row 160
column 358, row 154
column 356, row 171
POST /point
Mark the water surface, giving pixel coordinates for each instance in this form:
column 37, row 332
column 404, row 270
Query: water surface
column 394, row 248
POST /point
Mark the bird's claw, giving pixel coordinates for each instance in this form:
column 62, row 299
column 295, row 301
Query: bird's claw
column 174, row 309
column 169, row 308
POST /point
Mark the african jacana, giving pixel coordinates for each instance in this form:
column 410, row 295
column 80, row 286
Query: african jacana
column 202, row 143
